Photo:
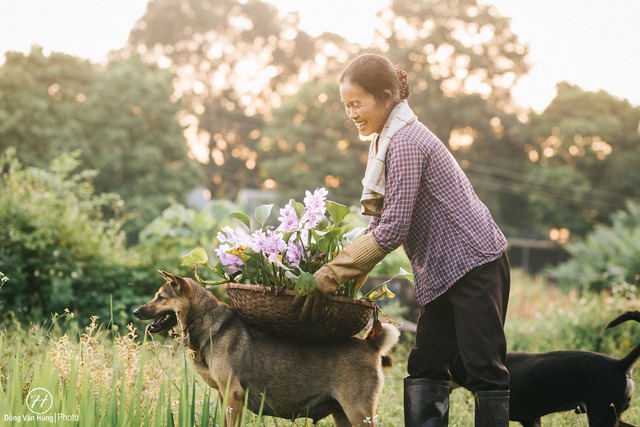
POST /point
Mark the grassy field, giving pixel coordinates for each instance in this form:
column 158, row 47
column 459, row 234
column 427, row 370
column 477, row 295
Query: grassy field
column 97, row 376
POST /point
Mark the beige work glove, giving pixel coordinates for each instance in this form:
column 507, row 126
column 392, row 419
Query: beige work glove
column 356, row 260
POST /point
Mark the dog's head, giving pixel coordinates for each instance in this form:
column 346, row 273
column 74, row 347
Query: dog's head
column 169, row 306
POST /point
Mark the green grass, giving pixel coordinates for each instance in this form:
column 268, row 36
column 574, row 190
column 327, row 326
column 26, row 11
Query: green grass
column 98, row 376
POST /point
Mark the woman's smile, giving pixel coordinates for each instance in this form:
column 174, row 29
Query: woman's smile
column 367, row 114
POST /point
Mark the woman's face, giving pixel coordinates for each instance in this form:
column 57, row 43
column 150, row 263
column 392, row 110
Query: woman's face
column 362, row 108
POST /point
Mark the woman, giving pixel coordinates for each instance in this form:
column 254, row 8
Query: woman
column 420, row 198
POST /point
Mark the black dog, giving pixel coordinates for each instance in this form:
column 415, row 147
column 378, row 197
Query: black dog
column 583, row 381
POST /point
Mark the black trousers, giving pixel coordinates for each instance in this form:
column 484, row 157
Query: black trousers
column 465, row 327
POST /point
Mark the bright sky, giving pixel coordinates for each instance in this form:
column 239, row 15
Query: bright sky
column 592, row 43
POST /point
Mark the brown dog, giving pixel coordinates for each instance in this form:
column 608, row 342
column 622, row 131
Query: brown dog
column 286, row 379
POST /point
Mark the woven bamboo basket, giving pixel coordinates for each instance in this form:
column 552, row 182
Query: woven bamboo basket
column 271, row 310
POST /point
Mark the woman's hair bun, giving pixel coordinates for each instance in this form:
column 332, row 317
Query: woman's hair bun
column 404, row 82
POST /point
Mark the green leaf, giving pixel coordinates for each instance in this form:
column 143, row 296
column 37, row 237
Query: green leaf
column 351, row 234
column 406, row 274
column 305, row 283
column 337, row 211
column 298, row 207
column 262, row 213
column 198, row 256
column 324, row 244
column 323, row 224
column 380, row 292
column 242, row 217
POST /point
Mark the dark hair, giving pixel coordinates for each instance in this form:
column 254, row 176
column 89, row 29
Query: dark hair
column 375, row 74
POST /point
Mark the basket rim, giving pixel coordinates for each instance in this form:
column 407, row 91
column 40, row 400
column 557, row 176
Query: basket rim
column 289, row 292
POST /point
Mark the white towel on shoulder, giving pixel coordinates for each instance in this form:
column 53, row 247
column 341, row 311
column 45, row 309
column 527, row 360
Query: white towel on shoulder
column 374, row 176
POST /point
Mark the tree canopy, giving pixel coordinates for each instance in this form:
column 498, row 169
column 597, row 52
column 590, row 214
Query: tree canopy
column 233, row 61
column 121, row 118
column 461, row 61
column 594, row 135
column 241, row 93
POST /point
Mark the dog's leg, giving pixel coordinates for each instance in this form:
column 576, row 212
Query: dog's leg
column 537, row 422
column 360, row 412
column 341, row 420
column 600, row 418
column 234, row 402
column 233, row 413
column 360, row 417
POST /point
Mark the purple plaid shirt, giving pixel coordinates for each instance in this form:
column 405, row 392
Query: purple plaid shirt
column 431, row 209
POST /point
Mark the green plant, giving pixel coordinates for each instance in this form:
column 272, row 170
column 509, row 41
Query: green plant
column 108, row 378
column 59, row 249
column 286, row 255
column 178, row 230
column 606, row 258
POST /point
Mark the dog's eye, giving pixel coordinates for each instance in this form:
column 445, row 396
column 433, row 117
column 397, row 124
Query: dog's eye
column 159, row 297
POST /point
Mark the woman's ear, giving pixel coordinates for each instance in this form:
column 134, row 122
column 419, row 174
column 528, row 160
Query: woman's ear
column 388, row 98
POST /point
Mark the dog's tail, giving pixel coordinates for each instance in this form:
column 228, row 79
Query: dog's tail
column 630, row 358
column 383, row 341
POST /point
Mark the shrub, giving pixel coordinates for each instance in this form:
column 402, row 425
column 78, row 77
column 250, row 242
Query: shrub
column 178, row 229
column 608, row 256
column 56, row 245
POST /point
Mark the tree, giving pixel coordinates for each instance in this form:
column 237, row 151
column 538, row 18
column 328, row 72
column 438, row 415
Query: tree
column 558, row 197
column 453, row 49
column 309, row 144
column 597, row 135
column 121, row 118
column 233, row 61
column 39, row 100
column 57, row 246
column 461, row 59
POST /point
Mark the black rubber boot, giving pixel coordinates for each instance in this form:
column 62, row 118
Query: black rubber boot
column 492, row 408
column 426, row 402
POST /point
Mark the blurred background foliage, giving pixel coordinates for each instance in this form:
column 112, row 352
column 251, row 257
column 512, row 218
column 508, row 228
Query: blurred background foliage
column 112, row 171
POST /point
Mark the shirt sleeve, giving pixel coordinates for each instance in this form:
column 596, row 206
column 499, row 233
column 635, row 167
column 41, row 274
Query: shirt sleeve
column 373, row 223
column 404, row 163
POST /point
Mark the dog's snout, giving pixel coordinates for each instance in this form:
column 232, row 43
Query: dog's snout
column 136, row 312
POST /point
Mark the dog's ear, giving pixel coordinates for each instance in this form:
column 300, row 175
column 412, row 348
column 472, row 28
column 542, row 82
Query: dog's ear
column 166, row 274
column 178, row 283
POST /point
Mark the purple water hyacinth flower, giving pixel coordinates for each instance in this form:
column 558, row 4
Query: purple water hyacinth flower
column 270, row 243
column 311, row 219
column 314, row 202
column 230, row 263
column 293, row 255
column 288, row 219
column 314, row 208
column 228, row 235
column 259, row 242
column 276, row 246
